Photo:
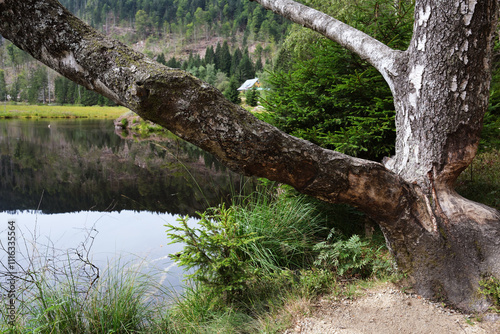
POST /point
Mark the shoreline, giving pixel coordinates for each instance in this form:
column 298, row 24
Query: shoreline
column 30, row 111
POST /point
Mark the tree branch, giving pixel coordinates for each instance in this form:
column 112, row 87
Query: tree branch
column 375, row 52
column 195, row 111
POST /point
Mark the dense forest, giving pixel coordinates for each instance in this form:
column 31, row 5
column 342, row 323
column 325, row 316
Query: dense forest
column 194, row 19
column 211, row 39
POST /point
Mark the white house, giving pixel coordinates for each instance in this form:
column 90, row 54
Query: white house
column 249, row 84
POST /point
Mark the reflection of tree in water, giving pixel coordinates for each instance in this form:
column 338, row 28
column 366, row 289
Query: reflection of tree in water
column 83, row 165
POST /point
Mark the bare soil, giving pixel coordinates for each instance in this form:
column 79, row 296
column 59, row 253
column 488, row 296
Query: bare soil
column 386, row 310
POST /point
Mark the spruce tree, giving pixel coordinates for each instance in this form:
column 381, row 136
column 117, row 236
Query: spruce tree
column 209, row 55
column 235, row 60
column 161, row 59
column 252, row 96
column 246, row 69
column 217, row 58
column 225, row 59
column 231, row 92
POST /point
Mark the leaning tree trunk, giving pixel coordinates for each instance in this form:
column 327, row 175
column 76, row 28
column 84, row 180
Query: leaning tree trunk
column 445, row 243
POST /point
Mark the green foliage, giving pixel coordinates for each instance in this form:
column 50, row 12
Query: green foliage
column 268, row 241
column 67, row 300
column 328, row 95
column 37, row 85
column 351, row 257
column 68, row 92
column 490, row 136
column 142, row 23
column 287, row 224
column 3, row 86
column 223, row 58
column 491, row 288
column 231, row 93
column 215, row 251
column 252, row 96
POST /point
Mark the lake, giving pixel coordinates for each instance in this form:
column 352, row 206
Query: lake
column 75, row 186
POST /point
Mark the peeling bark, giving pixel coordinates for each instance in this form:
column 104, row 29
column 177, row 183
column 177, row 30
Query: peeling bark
column 444, row 242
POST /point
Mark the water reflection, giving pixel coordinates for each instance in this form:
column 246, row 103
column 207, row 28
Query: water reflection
column 73, row 165
column 127, row 236
column 61, row 178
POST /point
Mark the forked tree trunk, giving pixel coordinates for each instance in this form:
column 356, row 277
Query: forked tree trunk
column 445, row 243
column 441, row 91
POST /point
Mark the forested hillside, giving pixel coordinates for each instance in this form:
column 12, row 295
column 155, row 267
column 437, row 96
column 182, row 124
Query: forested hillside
column 195, row 19
column 222, row 42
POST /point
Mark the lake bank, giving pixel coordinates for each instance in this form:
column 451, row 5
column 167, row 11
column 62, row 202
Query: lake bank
column 29, row 111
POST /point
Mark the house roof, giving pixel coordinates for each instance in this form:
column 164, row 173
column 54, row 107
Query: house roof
column 248, row 84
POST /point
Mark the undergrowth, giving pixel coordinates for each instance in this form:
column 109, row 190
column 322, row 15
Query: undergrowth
column 490, row 287
column 251, row 264
column 262, row 252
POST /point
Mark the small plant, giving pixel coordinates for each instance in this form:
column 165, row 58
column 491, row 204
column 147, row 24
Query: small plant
column 124, row 122
column 215, row 250
column 491, row 288
column 351, row 257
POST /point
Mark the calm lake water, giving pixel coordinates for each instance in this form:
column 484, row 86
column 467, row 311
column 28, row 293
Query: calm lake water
column 77, row 187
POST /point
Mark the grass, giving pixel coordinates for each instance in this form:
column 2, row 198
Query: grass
column 20, row 110
column 122, row 300
column 280, row 284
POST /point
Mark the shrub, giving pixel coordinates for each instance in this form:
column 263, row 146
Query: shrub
column 491, row 288
column 351, row 257
column 215, row 251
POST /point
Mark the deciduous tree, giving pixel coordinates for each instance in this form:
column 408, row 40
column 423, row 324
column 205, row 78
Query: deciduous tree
column 445, row 243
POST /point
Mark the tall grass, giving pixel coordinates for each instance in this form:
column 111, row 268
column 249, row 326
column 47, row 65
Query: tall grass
column 286, row 224
column 123, row 299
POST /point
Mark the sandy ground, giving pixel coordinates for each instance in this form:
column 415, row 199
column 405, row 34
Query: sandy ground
column 386, row 310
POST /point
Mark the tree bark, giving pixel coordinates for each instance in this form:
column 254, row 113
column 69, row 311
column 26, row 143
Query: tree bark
column 445, row 243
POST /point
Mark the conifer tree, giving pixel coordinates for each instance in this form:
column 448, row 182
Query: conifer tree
column 3, row 86
column 252, row 96
column 161, row 59
column 209, row 55
column 231, row 93
column 235, row 60
column 225, row 59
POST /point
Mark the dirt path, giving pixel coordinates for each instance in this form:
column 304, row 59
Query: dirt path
column 386, row 310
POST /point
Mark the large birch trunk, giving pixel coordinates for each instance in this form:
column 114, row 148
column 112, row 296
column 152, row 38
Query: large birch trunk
column 441, row 92
column 445, row 243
